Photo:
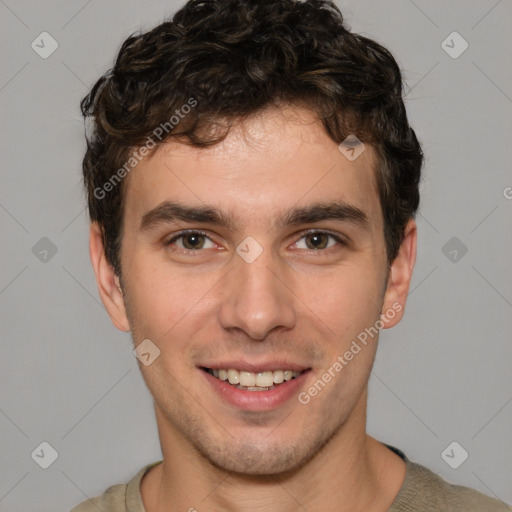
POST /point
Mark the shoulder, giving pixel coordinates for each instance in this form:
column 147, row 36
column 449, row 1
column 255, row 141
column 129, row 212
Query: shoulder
column 424, row 491
column 112, row 500
column 118, row 497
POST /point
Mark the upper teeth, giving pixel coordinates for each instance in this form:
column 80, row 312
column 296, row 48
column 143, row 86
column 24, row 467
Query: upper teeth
column 250, row 379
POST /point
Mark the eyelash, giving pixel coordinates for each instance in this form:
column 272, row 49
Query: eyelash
column 302, row 235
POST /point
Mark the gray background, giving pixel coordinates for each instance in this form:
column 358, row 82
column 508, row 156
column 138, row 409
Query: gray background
column 70, row 379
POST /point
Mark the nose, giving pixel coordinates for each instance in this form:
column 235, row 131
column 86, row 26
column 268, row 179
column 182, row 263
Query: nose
column 257, row 298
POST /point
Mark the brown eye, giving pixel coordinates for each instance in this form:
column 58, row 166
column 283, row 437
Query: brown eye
column 318, row 240
column 192, row 241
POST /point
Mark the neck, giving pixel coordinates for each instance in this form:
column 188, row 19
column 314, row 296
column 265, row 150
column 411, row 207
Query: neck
column 352, row 472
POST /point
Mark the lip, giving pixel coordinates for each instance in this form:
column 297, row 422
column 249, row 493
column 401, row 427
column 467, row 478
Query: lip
column 256, row 400
column 264, row 366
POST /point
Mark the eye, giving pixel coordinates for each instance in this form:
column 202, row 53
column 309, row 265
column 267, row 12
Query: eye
column 192, row 241
column 318, row 240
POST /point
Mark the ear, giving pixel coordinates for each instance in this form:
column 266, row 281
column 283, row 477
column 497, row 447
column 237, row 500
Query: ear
column 399, row 278
column 108, row 283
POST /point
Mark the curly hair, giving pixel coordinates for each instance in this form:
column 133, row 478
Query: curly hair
column 229, row 59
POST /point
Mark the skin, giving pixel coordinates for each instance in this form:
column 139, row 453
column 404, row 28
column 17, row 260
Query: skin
column 293, row 303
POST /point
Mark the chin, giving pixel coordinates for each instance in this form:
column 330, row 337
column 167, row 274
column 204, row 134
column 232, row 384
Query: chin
column 252, row 460
column 263, row 458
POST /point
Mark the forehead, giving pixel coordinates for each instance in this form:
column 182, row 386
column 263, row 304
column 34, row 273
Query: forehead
column 272, row 162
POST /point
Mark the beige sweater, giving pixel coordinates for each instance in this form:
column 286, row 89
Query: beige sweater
column 422, row 491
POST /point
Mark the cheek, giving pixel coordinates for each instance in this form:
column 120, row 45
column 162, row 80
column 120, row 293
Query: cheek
column 166, row 301
column 347, row 299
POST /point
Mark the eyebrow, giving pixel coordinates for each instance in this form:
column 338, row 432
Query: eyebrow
column 170, row 211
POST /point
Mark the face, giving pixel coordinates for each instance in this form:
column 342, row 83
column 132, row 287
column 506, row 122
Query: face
column 259, row 259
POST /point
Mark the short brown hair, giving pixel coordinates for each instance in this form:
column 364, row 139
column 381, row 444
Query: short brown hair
column 228, row 59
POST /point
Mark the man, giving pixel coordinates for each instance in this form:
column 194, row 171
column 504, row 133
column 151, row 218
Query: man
column 252, row 183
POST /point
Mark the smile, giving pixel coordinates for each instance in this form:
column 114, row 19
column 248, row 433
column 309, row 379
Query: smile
column 249, row 381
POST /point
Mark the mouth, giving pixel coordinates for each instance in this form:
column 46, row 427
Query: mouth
column 254, row 381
